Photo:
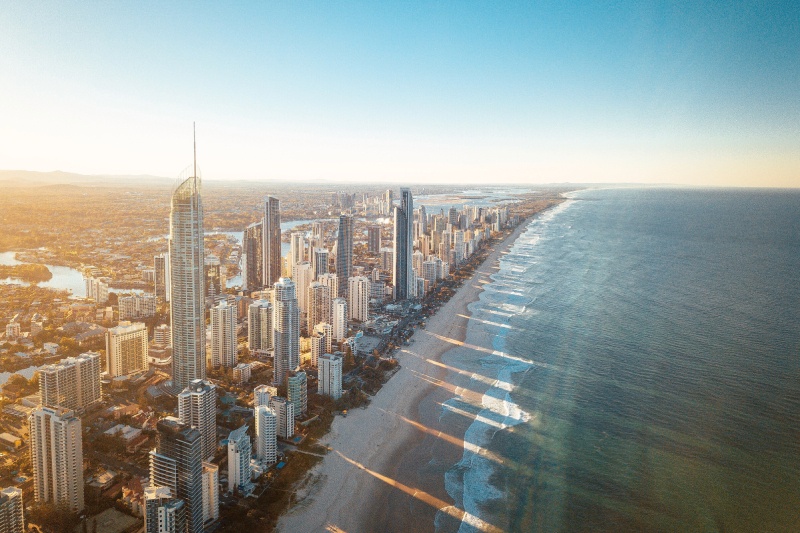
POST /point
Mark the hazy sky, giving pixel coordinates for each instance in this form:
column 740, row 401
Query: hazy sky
column 685, row 92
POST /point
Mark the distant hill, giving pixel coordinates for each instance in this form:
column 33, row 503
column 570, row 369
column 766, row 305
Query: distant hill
column 29, row 178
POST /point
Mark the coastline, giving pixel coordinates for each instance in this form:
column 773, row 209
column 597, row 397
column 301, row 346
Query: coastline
column 385, row 465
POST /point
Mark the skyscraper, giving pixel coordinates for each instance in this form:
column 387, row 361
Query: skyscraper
column 56, row 444
column 339, row 319
column 187, row 288
column 11, row 515
column 161, row 276
column 162, row 512
column 210, row 491
column 344, row 252
column 259, row 326
column 330, row 375
column 286, row 324
column 271, row 240
column 303, row 276
column 252, row 246
column 358, row 299
column 223, row 336
column 126, row 349
column 403, row 245
column 319, row 304
column 284, row 413
column 72, row 383
column 266, row 434
column 317, row 346
column 297, row 391
column 239, row 454
column 176, row 463
column 297, row 250
column 319, row 262
column 374, row 239
column 197, row 408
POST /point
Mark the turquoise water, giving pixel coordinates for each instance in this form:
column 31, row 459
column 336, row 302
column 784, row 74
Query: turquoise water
column 647, row 365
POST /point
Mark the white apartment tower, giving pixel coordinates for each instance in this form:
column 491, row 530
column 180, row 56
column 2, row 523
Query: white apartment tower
column 339, row 319
column 162, row 512
column 210, row 492
column 56, row 444
column 284, row 412
column 358, row 298
column 319, row 304
column 223, row 336
column 12, row 519
column 330, row 375
column 262, row 394
column 286, row 324
column 239, row 452
column 187, row 282
column 259, row 327
column 197, row 408
column 72, row 383
column 303, row 276
column 266, row 434
column 126, row 349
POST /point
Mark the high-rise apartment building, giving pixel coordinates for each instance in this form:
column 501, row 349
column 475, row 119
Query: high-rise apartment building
column 239, row 455
column 126, row 349
column 253, row 256
column 72, row 383
column 162, row 335
column 344, row 253
column 56, row 444
column 319, row 262
column 136, row 306
column 403, row 245
column 177, row 463
column 161, row 285
column 339, row 319
column 266, row 434
column 297, row 392
column 374, row 239
column 197, row 408
column 214, row 278
column 271, row 241
column 317, row 347
column 210, row 492
column 325, row 330
column 12, row 519
column 259, row 326
column 262, row 394
column 358, row 298
column 303, row 276
column 284, row 413
column 187, row 284
column 319, row 304
column 297, row 250
column 286, row 324
column 223, row 336
column 162, row 512
column 330, row 375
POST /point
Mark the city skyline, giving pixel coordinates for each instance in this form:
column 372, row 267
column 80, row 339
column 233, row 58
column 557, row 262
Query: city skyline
column 446, row 93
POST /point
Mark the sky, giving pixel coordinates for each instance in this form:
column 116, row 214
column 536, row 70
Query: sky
column 700, row 93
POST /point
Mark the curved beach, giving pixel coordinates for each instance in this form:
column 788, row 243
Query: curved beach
column 386, row 464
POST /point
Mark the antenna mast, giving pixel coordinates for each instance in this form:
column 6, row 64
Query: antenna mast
column 194, row 138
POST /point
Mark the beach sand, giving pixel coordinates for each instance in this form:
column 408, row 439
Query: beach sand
column 385, row 467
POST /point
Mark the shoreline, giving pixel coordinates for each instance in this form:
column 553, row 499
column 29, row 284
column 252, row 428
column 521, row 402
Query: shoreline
column 397, row 483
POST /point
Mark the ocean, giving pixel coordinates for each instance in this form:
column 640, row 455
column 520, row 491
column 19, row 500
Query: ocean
column 644, row 370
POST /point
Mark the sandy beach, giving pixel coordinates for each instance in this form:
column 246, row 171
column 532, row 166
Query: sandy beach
column 385, row 467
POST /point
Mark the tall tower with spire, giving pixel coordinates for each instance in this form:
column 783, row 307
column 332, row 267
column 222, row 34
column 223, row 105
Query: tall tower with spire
column 186, row 258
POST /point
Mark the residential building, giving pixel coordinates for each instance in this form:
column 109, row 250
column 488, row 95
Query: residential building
column 284, row 413
column 286, row 324
column 239, row 452
column 242, row 372
column 403, row 245
column 297, row 392
column 197, row 408
column 136, row 306
column 223, row 336
column 358, row 298
column 303, row 277
column 177, row 463
column 162, row 335
column 72, row 383
column 210, row 492
column 126, row 349
column 259, row 327
column 162, row 512
column 319, row 304
column 266, row 434
column 56, row 445
column 339, row 319
column 161, row 284
column 374, row 239
column 187, row 284
column 271, row 241
column 319, row 262
column 12, row 519
column 263, row 393
column 253, row 257
column 330, row 375
column 344, row 253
